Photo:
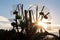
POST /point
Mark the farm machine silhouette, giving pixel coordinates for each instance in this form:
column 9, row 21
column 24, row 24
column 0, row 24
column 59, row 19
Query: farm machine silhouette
column 28, row 21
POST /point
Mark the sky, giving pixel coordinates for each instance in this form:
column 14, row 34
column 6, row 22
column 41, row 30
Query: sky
column 6, row 7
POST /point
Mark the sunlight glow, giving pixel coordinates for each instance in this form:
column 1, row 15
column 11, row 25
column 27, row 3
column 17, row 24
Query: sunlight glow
column 41, row 26
column 41, row 23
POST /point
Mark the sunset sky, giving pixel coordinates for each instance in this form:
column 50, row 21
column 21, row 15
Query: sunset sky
column 6, row 7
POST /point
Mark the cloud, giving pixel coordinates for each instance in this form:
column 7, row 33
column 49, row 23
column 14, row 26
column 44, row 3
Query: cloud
column 5, row 23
